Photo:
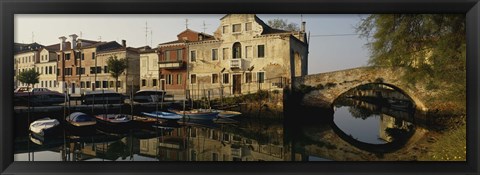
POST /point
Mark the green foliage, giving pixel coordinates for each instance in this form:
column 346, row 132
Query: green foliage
column 361, row 113
column 29, row 76
column 431, row 46
column 116, row 67
column 283, row 24
column 451, row 147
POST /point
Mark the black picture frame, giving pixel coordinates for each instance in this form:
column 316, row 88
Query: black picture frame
column 471, row 8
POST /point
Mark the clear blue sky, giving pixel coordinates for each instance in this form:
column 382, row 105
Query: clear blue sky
column 327, row 53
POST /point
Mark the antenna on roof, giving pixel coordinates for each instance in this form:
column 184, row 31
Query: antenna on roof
column 204, row 26
column 301, row 17
column 151, row 37
column 186, row 23
column 146, row 32
column 99, row 38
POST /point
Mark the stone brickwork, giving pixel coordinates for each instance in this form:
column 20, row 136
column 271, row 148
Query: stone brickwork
column 328, row 86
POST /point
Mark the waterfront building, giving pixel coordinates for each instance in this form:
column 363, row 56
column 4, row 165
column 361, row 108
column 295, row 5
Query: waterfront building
column 173, row 61
column 47, row 67
column 104, row 80
column 245, row 56
column 149, row 69
column 25, row 57
column 83, row 66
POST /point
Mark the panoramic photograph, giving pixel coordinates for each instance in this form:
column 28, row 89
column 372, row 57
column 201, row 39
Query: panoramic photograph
column 240, row 87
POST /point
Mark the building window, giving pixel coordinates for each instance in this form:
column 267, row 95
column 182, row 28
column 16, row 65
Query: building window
column 104, row 84
column 50, row 70
column 261, row 77
column 154, row 82
column 225, row 53
column 237, row 50
column 236, row 28
column 214, row 78
column 46, row 70
column 179, row 54
column 169, row 79
column 179, row 78
column 83, row 56
column 58, row 72
column 248, row 26
column 193, row 79
column 225, row 78
column 248, row 77
column 261, row 51
column 167, row 55
column 144, row 82
column 67, row 56
column 111, row 84
column 97, row 84
column 193, row 56
column 42, row 84
column 105, row 69
column 224, row 29
column 68, row 71
column 248, row 52
column 214, row 156
column 82, row 84
column 93, row 55
column 88, row 84
column 214, row 54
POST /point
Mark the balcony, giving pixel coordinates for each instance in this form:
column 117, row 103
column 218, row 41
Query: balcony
column 238, row 63
column 170, row 64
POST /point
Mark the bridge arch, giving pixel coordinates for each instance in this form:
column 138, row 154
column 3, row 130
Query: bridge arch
column 328, row 86
column 417, row 102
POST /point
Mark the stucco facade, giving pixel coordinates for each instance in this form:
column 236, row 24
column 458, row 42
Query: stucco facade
column 129, row 76
column 245, row 56
column 149, row 70
column 47, row 67
column 23, row 61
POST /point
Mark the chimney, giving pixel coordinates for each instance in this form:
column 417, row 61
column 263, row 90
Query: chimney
column 124, row 43
column 62, row 42
column 303, row 26
column 73, row 41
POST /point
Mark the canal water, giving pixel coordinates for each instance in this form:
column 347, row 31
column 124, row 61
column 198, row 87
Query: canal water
column 355, row 129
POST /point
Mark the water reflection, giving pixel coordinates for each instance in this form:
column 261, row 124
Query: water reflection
column 246, row 140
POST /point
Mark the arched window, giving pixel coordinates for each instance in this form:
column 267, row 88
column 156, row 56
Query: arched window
column 237, row 50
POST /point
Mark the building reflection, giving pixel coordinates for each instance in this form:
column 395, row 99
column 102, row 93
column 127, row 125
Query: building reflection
column 206, row 144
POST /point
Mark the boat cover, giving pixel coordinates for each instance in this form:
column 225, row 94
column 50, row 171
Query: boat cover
column 42, row 124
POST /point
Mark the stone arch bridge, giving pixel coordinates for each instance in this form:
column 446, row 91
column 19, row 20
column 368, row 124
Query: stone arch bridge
column 326, row 87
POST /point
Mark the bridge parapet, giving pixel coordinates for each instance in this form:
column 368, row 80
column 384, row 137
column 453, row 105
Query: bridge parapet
column 330, row 85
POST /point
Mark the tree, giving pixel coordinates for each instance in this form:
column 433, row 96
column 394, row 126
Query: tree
column 29, row 77
column 283, row 24
column 431, row 46
column 116, row 67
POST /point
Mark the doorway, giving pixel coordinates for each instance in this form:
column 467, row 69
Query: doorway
column 237, row 84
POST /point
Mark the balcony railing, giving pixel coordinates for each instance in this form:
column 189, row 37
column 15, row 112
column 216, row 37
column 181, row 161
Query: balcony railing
column 170, row 64
column 236, row 63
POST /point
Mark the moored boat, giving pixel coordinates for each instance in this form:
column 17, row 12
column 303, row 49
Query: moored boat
column 102, row 97
column 163, row 115
column 228, row 114
column 80, row 123
column 149, row 96
column 45, row 127
column 197, row 114
column 114, row 123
